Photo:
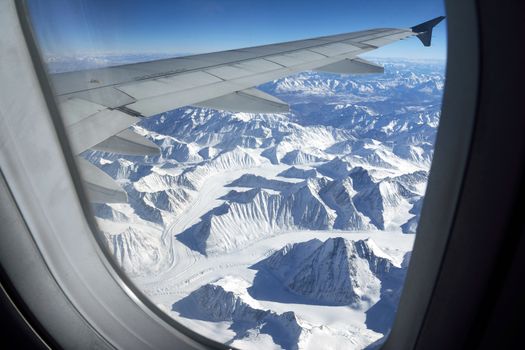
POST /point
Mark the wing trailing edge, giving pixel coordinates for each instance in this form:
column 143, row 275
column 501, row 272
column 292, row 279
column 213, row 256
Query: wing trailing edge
column 249, row 101
column 352, row 66
column 99, row 186
column 88, row 124
column 129, row 143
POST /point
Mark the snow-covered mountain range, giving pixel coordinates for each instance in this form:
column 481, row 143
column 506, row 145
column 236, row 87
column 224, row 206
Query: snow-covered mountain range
column 321, row 203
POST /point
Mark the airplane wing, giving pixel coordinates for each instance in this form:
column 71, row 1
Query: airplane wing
column 99, row 105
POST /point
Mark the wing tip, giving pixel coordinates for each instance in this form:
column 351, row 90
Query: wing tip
column 424, row 30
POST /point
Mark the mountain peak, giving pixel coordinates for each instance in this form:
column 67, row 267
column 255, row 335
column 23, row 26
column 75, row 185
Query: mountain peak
column 337, row 271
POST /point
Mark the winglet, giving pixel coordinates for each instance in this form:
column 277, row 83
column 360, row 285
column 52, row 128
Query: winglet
column 424, row 30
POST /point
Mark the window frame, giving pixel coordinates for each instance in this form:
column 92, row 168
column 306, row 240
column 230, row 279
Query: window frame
column 94, row 304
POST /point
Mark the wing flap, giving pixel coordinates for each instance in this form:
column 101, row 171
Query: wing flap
column 99, row 186
column 258, row 66
column 166, row 85
column 75, row 110
column 88, row 124
column 162, row 103
column 354, row 66
column 228, row 72
column 106, row 96
column 249, row 101
column 296, row 58
column 129, row 143
column 335, row 49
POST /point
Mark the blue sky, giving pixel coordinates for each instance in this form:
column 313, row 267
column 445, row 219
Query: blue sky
column 76, row 27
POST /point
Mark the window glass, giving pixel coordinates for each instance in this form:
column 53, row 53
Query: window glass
column 279, row 213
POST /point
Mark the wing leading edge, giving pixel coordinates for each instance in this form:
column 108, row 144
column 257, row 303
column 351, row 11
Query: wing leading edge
column 99, row 105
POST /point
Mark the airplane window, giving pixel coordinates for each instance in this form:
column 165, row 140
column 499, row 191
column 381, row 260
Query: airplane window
column 261, row 187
